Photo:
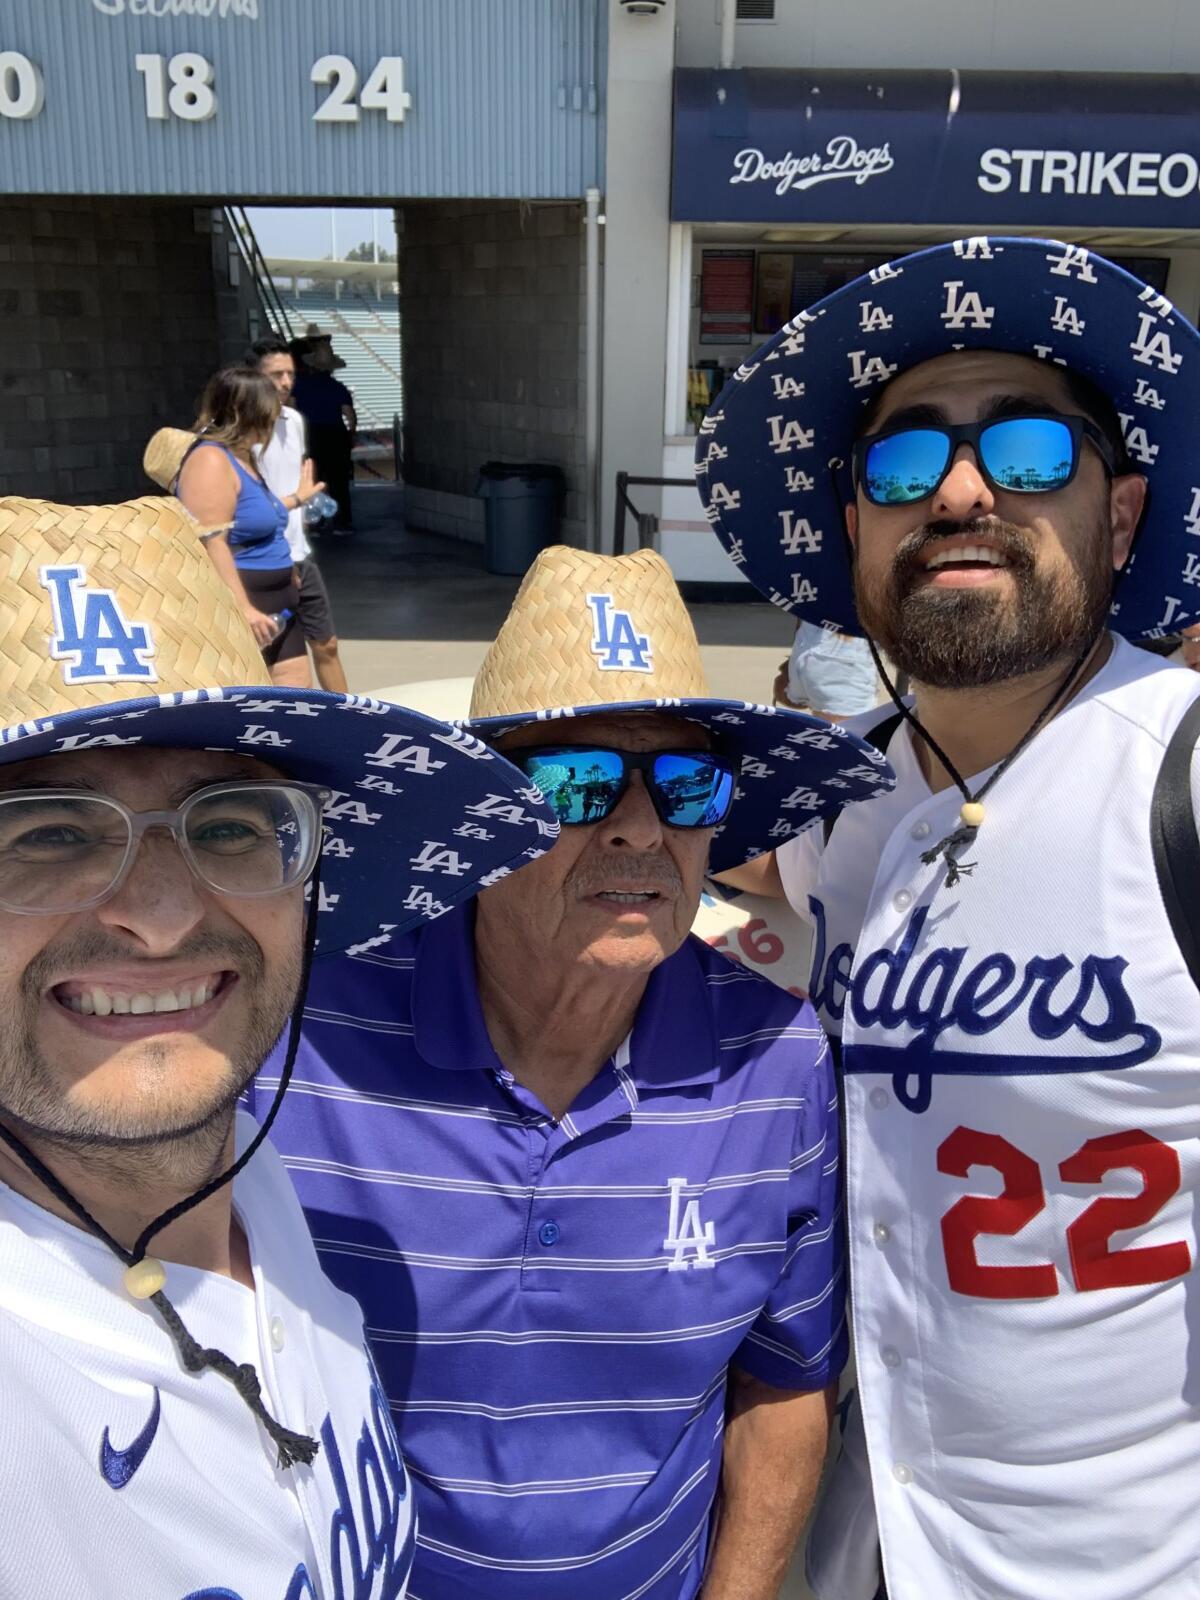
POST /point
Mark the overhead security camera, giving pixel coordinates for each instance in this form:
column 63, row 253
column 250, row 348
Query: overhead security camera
column 643, row 8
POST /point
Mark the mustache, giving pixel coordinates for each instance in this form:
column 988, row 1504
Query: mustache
column 637, row 873
column 1016, row 546
column 93, row 947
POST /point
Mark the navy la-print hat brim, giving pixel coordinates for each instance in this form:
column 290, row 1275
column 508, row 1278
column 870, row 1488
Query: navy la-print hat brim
column 763, row 454
column 792, row 770
column 423, row 814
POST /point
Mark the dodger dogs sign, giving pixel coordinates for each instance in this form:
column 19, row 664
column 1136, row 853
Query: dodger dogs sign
column 842, row 157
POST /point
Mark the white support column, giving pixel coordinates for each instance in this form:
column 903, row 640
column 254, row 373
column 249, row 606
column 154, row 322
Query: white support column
column 679, row 318
column 592, row 372
column 637, row 192
column 728, row 32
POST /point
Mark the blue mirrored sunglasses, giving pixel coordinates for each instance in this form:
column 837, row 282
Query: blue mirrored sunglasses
column 584, row 783
column 1033, row 454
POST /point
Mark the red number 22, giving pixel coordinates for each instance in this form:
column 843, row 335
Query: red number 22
column 1093, row 1264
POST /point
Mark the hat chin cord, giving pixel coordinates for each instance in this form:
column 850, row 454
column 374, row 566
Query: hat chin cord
column 145, row 1277
column 971, row 813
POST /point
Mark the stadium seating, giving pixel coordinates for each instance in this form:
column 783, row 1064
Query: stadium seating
column 366, row 334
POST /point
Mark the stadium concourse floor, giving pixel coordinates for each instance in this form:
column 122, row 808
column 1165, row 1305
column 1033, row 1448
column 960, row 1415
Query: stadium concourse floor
column 410, row 606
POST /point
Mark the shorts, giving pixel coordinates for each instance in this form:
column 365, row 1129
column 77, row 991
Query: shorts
column 316, row 613
column 831, row 672
column 273, row 589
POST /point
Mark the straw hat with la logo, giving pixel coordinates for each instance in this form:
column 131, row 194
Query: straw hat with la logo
column 115, row 630
column 590, row 633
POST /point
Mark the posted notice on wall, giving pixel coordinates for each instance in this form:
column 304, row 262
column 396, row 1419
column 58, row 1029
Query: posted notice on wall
column 726, row 296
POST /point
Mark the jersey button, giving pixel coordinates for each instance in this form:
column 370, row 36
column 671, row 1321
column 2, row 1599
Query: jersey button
column 278, row 1335
column 921, row 830
column 879, row 1098
column 548, row 1233
column 890, row 1357
column 902, row 899
column 881, row 1233
column 902, row 1472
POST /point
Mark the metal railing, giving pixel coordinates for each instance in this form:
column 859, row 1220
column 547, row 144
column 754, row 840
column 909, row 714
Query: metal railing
column 647, row 521
column 253, row 260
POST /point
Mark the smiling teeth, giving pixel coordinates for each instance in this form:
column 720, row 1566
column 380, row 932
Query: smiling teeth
column 95, row 1002
column 628, row 899
column 968, row 552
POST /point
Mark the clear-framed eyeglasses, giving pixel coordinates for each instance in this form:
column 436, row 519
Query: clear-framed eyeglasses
column 65, row 850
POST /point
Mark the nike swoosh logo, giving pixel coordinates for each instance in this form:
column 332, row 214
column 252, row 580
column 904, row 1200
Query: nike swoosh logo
column 118, row 1466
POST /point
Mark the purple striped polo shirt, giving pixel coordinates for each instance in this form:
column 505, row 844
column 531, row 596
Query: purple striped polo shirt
column 553, row 1307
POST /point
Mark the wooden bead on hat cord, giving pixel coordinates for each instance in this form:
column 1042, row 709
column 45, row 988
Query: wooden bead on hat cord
column 145, row 1277
column 971, row 812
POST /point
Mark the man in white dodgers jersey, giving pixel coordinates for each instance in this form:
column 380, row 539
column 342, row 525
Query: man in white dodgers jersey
column 201, row 1421
column 1003, row 943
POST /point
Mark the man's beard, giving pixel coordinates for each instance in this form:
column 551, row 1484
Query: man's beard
column 35, row 1099
column 963, row 638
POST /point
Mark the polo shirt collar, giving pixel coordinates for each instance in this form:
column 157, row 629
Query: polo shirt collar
column 674, row 1037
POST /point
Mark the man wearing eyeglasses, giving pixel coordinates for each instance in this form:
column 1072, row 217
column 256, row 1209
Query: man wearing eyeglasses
column 188, row 1406
column 579, row 1169
column 1007, row 944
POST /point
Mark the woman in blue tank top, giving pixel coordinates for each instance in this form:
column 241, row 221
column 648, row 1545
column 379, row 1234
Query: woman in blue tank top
column 221, row 486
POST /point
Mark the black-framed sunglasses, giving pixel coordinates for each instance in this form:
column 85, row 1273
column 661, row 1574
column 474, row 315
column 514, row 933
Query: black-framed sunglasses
column 584, row 783
column 67, row 850
column 1033, row 453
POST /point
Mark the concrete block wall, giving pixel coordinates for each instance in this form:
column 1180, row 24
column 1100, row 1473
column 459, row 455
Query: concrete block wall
column 110, row 331
column 492, row 313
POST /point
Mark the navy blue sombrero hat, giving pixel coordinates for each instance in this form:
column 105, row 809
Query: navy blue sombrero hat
column 115, row 630
column 589, row 634
column 764, row 451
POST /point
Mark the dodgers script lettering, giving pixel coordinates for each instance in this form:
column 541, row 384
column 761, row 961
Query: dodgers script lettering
column 843, row 157
column 933, row 999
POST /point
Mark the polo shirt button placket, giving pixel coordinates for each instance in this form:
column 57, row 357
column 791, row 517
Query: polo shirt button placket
column 549, row 1233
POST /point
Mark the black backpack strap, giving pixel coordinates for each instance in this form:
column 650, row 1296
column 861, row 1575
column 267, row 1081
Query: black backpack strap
column 880, row 736
column 1174, row 840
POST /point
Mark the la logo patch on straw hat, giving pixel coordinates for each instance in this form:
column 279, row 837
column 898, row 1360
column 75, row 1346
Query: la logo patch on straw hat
column 115, row 630
column 91, row 634
column 616, row 643
column 590, row 633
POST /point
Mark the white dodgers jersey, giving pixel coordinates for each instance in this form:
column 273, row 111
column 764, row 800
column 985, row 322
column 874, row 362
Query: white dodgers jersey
column 1022, row 1108
column 124, row 1475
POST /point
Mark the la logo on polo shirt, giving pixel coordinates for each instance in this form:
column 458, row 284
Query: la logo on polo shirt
column 687, row 1232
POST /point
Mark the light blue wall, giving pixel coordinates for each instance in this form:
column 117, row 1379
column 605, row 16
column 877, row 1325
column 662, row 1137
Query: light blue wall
column 507, row 99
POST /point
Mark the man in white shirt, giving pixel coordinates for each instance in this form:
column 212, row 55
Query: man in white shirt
column 188, row 1409
column 1007, row 944
column 286, row 467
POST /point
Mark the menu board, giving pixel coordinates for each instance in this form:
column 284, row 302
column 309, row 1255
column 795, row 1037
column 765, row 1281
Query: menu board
column 773, row 291
column 814, row 276
column 726, row 296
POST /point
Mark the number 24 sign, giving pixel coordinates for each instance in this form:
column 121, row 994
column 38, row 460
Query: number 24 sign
column 184, row 86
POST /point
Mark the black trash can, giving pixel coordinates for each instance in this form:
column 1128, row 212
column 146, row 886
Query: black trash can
column 522, row 507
